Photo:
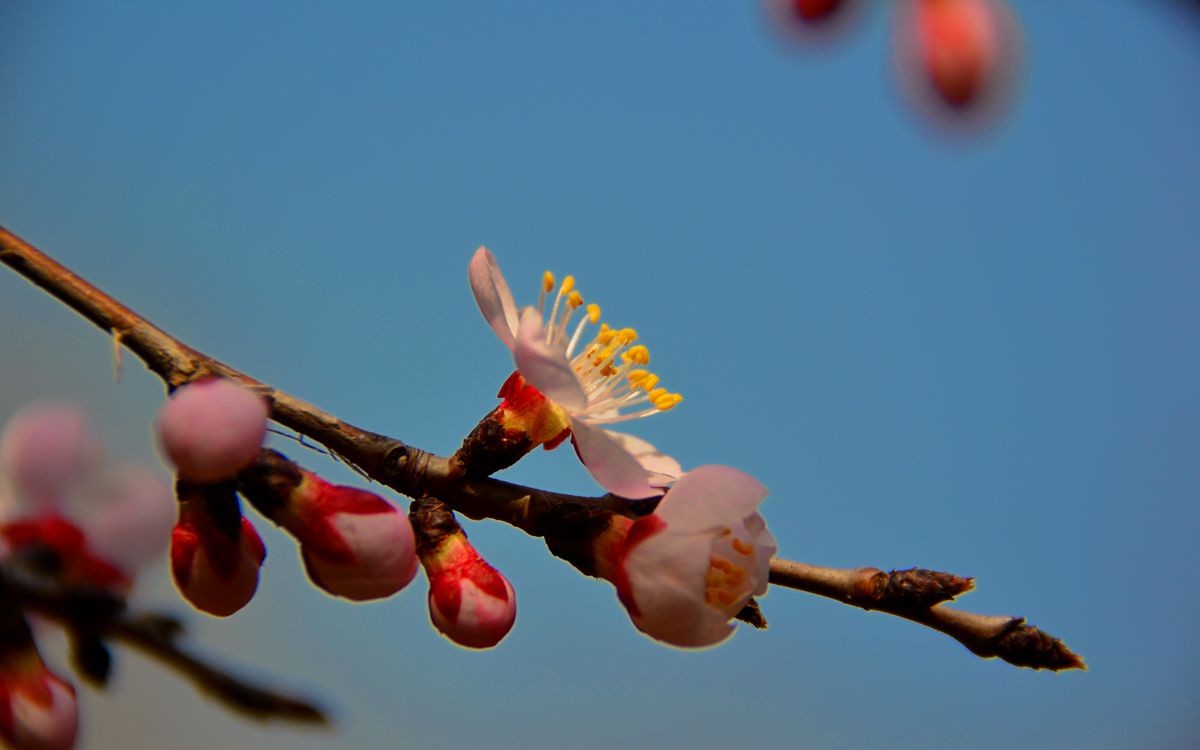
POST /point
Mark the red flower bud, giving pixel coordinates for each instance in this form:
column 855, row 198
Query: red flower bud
column 470, row 602
column 37, row 707
column 215, row 552
column 354, row 543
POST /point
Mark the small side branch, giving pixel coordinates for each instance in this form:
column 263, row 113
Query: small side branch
column 917, row 595
column 156, row 636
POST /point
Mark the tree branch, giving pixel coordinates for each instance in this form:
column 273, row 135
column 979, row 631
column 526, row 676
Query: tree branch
column 157, row 636
column 914, row 595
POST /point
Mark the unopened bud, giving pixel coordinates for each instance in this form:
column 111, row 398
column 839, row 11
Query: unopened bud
column 211, row 429
column 37, row 707
column 215, row 552
column 354, row 543
column 470, row 602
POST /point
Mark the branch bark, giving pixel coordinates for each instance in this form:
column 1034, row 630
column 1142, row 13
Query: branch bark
column 914, row 595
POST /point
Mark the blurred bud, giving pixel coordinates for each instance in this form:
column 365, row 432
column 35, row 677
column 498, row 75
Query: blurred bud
column 812, row 20
column 470, row 602
column 215, row 552
column 37, row 707
column 957, row 58
column 354, row 543
column 45, row 451
column 211, row 429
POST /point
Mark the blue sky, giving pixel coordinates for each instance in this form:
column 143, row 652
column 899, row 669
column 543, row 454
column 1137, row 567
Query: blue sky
column 975, row 354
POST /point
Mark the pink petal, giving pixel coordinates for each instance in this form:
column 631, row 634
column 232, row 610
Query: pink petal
column 492, row 295
column 46, row 450
column 545, row 366
column 609, row 463
column 127, row 516
column 710, row 497
column 662, row 468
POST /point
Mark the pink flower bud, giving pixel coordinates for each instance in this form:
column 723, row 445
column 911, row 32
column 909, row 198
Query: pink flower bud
column 37, row 707
column 215, row 552
column 211, row 429
column 45, row 451
column 354, row 543
column 470, row 602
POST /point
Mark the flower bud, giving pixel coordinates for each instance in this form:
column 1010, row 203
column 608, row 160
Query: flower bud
column 470, row 602
column 212, row 428
column 37, row 707
column 354, row 544
column 215, row 552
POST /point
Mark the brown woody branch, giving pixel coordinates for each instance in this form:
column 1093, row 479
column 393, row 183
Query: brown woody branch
column 914, row 595
column 99, row 615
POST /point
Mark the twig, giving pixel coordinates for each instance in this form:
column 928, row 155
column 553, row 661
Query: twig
column 156, row 636
column 913, row 595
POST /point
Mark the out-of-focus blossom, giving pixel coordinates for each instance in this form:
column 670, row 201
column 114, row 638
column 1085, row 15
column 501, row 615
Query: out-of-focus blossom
column 566, row 384
column 37, row 707
column 212, row 428
column 46, row 452
column 684, row 571
column 101, row 524
column 354, row 543
column 807, row 21
column 470, row 602
column 215, row 552
column 957, row 56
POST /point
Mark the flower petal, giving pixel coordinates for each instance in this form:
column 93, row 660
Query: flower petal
column 661, row 468
column 545, row 366
column 45, row 451
column 667, row 580
column 708, row 497
column 492, row 295
column 612, row 466
column 127, row 515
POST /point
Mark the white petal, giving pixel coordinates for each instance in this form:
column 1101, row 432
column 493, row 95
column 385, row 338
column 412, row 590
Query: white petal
column 709, row 497
column 661, row 468
column 492, row 295
column 545, row 366
column 609, row 463
column 667, row 578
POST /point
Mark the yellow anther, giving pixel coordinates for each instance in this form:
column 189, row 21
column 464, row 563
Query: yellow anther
column 639, row 355
column 742, row 548
column 649, row 382
column 657, row 393
column 627, row 336
column 547, row 280
column 635, row 375
column 606, row 335
column 667, row 401
column 567, row 285
column 593, row 311
column 608, row 370
column 574, row 299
